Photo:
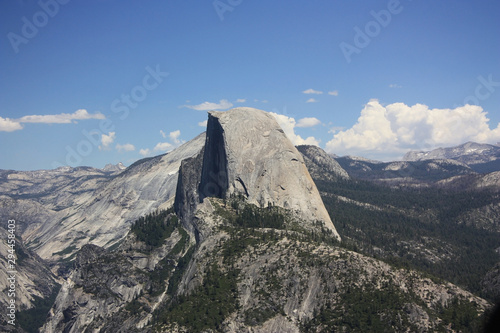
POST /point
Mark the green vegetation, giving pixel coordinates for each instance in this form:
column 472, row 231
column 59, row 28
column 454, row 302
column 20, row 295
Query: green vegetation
column 176, row 277
column 32, row 319
column 455, row 252
column 67, row 250
column 462, row 315
column 154, row 228
column 237, row 212
column 208, row 305
column 134, row 307
column 363, row 310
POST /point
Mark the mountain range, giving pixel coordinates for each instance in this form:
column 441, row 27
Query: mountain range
column 479, row 156
column 237, row 230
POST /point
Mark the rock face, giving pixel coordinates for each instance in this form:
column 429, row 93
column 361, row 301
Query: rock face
column 61, row 210
column 247, row 153
column 245, row 280
column 32, row 278
column 320, row 164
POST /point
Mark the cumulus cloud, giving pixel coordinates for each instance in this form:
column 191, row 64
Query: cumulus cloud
column 308, row 122
column 288, row 125
column 207, row 106
column 241, row 100
column 333, row 93
column 163, row 146
column 174, row 136
column 145, row 152
column 312, row 91
column 395, row 86
column 311, row 100
column 203, row 123
column 62, row 118
column 125, row 147
column 9, row 125
column 107, row 140
column 387, row 132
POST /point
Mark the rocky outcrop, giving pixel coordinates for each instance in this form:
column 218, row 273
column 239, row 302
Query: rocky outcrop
column 32, row 280
column 321, row 165
column 61, row 210
column 247, row 280
column 187, row 197
column 247, row 153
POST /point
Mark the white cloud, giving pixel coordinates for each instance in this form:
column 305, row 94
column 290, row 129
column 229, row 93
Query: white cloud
column 125, row 147
column 9, row 125
column 174, row 136
column 333, row 93
column 208, row 106
column 265, row 101
column 241, row 100
column 335, row 129
column 311, row 100
column 288, row 125
column 203, row 123
column 145, row 152
column 163, row 146
column 388, row 132
column 107, row 140
column 62, row 118
column 312, row 91
column 395, row 86
column 308, row 122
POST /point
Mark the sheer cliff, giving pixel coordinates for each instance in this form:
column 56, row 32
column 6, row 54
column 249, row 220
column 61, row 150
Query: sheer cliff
column 247, row 153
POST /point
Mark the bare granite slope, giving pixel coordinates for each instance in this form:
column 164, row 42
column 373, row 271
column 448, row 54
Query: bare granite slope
column 247, row 153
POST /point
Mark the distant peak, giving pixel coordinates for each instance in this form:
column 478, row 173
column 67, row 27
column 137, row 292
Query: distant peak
column 114, row 167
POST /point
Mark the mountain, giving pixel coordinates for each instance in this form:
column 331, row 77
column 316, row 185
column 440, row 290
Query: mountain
column 320, row 164
column 114, row 167
column 410, row 173
column 248, row 279
column 240, row 231
column 247, row 153
column 61, row 210
column 35, row 287
column 479, row 156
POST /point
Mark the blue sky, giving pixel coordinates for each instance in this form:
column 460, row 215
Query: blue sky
column 96, row 82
